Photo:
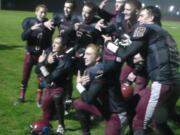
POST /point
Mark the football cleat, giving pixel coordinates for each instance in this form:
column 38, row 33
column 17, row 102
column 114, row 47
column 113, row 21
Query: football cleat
column 60, row 130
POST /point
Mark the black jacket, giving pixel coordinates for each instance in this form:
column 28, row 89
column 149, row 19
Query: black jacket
column 37, row 40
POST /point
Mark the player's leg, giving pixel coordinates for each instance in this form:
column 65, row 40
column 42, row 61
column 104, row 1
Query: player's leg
column 47, row 103
column 41, row 86
column 150, row 102
column 27, row 67
column 139, row 117
column 59, row 107
column 68, row 93
column 161, row 119
column 165, row 108
column 140, row 84
column 174, row 114
column 84, row 111
column 115, row 124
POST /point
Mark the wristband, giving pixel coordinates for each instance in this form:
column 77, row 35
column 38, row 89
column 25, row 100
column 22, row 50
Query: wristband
column 44, row 71
column 80, row 88
column 112, row 47
column 118, row 59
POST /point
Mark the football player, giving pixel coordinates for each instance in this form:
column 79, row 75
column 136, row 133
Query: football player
column 54, row 65
column 65, row 24
column 162, row 59
column 37, row 38
column 98, row 95
column 86, row 32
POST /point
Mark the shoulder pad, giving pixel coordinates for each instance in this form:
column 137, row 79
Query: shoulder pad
column 96, row 72
column 27, row 22
column 99, row 74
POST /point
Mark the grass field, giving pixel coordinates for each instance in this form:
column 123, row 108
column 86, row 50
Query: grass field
column 14, row 120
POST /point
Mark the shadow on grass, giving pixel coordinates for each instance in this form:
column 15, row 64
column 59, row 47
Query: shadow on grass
column 9, row 47
column 18, row 103
column 72, row 129
column 71, row 115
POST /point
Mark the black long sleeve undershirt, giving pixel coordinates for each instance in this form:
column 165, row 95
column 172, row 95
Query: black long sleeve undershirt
column 90, row 95
column 126, row 52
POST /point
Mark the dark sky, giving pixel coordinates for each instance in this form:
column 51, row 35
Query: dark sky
column 55, row 5
column 164, row 4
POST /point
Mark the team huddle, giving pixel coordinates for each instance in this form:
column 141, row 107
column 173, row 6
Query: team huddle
column 125, row 65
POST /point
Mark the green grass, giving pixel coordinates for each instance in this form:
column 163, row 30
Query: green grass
column 173, row 28
column 14, row 120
